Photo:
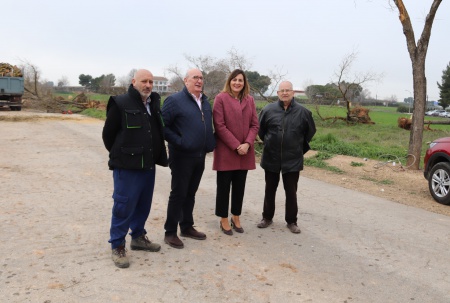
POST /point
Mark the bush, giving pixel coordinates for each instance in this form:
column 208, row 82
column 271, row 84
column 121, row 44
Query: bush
column 402, row 109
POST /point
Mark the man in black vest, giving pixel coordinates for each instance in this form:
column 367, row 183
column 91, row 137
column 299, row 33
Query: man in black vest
column 133, row 135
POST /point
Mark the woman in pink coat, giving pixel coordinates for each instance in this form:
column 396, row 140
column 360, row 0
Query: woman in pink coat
column 236, row 127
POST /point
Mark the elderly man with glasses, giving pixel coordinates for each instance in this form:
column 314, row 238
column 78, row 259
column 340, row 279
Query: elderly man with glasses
column 286, row 127
column 188, row 130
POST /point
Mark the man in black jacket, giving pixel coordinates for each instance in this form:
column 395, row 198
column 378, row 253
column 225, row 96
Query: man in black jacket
column 133, row 135
column 286, row 128
column 188, row 130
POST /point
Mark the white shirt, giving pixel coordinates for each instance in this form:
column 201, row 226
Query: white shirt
column 147, row 105
column 198, row 100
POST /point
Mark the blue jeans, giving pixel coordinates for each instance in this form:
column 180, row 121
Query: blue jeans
column 133, row 194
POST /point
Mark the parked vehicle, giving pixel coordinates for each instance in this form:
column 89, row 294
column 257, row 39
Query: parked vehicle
column 438, row 112
column 11, row 91
column 437, row 169
column 430, row 112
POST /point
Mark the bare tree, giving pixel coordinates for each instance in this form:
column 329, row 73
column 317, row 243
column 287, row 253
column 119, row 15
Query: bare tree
column 175, row 70
column 31, row 77
column 204, row 63
column 348, row 84
column 33, row 84
column 392, row 98
column 417, row 53
column 215, row 71
column 63, row 81
column 125, row 81
column 276, row 76
column 176, row 84
column 237, row 61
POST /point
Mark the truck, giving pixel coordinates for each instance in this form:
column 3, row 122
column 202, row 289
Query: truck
column 11, row 86
column 11, row 91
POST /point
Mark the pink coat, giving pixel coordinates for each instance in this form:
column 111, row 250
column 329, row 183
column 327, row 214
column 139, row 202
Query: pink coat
column 234, row 123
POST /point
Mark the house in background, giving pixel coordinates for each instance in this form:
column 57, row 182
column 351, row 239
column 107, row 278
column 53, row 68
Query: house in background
column 160, row 84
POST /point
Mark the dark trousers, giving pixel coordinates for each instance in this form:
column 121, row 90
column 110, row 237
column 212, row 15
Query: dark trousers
column 133, row 194
column 290, row 183
column 234, row 179
column 186, row 176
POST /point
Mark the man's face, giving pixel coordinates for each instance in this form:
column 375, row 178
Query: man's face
column 143, row 83
column 285, row 92
column 194, row 82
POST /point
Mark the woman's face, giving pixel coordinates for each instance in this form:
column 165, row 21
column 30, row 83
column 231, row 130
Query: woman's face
column 237, row 84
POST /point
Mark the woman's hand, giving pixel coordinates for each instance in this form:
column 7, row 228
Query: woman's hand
column 243, row 149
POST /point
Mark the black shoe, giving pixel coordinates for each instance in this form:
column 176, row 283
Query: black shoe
column 191, row 232
column 294, row 228
column 227, row 232
column 237, row 229
column 173, row 241
column 264, row 223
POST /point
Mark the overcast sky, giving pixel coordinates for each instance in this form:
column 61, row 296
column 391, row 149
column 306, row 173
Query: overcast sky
column 305, row 39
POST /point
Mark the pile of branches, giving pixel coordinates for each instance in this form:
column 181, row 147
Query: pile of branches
column 355, row 115
column 359, row 115
column 81, row 102
column 404, row 123
column 8, row 70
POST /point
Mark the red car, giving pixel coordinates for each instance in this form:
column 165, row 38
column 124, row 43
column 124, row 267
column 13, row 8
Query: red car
column 437, row 169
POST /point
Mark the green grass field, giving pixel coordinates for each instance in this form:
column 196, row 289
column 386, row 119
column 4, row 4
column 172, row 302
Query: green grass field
column 374, row 141
column 70, row 96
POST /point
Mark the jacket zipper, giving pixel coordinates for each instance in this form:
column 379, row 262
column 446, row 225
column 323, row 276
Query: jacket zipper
column 282, row 136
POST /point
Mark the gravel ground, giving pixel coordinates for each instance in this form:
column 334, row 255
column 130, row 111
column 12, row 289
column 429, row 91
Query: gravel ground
column 55, row 210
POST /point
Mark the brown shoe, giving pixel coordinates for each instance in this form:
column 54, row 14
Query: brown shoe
column 264, row 223
column 294, row 228
column 119, row 257
column 173, row 241
column 191, row 232
column 143, row 243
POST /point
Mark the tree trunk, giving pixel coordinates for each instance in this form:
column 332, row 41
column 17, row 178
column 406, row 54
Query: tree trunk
column 445, row 122
column 418, row 54
column 416, row 133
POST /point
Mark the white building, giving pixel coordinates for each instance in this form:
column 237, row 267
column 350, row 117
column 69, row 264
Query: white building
column 160, row 84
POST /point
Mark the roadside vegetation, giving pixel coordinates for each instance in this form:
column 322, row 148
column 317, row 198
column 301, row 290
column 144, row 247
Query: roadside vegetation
column 379, row 141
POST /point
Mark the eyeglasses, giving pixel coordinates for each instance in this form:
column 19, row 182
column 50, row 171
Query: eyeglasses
column 196, row 78
column 285, row 91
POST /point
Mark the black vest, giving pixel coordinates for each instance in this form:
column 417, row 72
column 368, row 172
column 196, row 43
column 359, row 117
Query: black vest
column 140, row 142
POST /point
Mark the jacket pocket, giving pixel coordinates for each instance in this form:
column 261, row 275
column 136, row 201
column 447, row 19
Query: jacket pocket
column 120, row 208
column 133, row 118
column 133, row 156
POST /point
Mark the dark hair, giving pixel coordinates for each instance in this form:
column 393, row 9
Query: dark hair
column 245, row 90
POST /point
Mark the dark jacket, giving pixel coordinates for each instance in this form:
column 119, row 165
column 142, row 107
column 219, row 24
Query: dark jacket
column 134, row 139
column 188, row 130
column 286, row 136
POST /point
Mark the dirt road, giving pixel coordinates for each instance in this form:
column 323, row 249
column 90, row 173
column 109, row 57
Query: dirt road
column 55, row 210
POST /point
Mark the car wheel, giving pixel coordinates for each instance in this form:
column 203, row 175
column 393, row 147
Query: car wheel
column 439, row 182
